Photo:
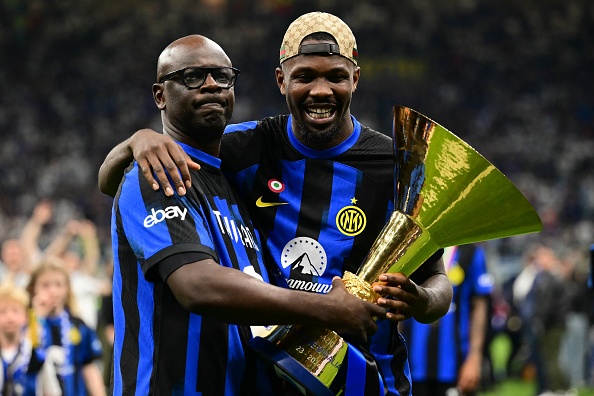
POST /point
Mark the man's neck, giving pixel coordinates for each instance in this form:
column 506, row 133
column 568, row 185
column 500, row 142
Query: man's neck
column 209, row 146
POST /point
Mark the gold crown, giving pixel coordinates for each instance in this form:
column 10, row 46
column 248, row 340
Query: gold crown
column 315, row 22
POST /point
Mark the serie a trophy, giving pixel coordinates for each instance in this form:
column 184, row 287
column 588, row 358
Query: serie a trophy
column 446, row 194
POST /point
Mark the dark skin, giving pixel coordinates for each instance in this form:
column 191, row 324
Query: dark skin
column 318, row 91
column 319, row 84
column 198, row 117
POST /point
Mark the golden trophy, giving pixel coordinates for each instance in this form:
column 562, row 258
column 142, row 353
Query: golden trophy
column 446, row 194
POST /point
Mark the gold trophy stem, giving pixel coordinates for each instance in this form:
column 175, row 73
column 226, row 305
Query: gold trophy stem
column 397, row 237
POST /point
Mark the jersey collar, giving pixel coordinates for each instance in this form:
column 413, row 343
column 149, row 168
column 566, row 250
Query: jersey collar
column 201, row 155
column 328, row 153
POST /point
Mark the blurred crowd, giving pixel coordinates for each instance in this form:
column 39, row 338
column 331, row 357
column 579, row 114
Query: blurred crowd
column 545, row 312
column 510, row 78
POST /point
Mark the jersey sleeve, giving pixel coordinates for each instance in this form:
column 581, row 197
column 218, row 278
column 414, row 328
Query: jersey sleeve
column 158, row 227
column 428, row 268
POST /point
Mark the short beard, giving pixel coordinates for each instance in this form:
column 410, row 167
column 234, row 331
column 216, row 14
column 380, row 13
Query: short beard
column 317, row 139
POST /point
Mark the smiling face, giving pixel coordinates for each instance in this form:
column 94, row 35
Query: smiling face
column 318, row 90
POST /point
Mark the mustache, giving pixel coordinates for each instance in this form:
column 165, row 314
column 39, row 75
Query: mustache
column 312, row 102
column 209, row 100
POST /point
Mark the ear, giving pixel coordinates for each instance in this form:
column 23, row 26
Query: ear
column 356, row 76
column 159, row 95
column 280, row 79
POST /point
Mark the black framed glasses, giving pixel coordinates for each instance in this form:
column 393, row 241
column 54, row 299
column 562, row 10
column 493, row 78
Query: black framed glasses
column 194, row 77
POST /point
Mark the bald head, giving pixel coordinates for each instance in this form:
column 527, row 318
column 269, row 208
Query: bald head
column 183, row 51
column 194, row 91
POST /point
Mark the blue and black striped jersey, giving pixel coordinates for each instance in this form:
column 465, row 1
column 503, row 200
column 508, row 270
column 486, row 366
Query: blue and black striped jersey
column 81, row 346
column 21, row 373
column 160, row 348
column 318, row 212
column 437, row 350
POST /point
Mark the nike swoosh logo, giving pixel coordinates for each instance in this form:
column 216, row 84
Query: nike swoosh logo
column 261, row 204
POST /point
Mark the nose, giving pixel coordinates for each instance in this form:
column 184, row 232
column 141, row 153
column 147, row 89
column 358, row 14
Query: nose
column 320, row 87
column 210, row 83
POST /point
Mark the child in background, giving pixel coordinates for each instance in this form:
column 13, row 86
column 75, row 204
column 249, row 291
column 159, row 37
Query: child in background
column 22, row 364
column 71, row 345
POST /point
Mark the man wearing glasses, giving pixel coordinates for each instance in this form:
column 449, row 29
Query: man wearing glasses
column 318, row 184
column 188, row 270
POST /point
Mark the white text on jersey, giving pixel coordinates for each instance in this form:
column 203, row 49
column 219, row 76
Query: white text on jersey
column 235, row 232
column 169, row 212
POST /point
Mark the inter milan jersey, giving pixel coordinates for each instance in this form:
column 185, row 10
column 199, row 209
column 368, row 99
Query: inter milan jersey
column 437, row 350
column 161, row 348
column 318, row 212
column 20, row 373
column 79, row 346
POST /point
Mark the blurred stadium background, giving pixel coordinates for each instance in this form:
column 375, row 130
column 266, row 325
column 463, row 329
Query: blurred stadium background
column 512, row 78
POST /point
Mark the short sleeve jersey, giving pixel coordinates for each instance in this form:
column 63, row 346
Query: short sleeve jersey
column 318, row 212
column 161, row 348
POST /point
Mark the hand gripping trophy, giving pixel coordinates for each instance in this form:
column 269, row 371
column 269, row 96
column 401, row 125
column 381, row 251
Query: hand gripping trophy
column 446, row 194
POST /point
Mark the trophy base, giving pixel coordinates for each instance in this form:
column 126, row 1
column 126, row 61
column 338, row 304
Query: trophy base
column 309, row 359
column 291, row 371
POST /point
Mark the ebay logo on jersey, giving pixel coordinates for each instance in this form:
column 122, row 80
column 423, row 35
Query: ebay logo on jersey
column 169, row 212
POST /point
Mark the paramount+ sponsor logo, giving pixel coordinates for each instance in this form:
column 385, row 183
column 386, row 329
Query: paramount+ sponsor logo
column 159, row 215
column 304, row 262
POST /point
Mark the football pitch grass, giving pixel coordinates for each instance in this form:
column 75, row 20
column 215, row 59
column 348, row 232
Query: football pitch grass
column 517, row 387
column 500, row 348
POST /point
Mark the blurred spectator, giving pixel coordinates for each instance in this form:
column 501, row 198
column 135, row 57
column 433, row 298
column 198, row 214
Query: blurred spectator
column 513, row 330
column 23, row 370
column 77, row 246
column 72, row 345
column 447, row 356
column 542, row 301
column 14, row 267
column 574, row 345
column 31, row 233
column 106, row 326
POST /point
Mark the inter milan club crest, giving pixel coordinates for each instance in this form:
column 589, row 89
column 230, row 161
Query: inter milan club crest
column 351, row 220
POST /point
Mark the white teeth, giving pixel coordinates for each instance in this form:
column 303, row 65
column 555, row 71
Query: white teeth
column 319, row 113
